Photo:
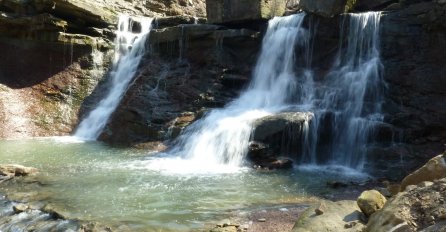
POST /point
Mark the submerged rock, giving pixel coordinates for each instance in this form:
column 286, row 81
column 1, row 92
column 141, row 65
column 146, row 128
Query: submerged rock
column 370, row 201
column 12, row 170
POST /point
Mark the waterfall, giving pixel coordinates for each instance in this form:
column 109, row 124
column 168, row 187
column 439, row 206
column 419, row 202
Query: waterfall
column 222, row 136
column 131, row 36
column 347, row 103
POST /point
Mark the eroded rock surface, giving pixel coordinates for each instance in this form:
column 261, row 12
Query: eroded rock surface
column 421, row 208
column 338, row 216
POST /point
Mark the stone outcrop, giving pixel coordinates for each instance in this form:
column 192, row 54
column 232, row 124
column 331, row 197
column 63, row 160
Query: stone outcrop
column 370, row 201
column 421, row 208
column 412, row 38
column 432, row 170
column 326, row 8
column 338, row 216
column 233, row 11
column 57, row 52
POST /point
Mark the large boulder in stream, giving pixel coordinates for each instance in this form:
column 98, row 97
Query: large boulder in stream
column 276, row 137
column 282, row 132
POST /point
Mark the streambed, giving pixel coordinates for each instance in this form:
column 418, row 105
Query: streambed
column 136, row 189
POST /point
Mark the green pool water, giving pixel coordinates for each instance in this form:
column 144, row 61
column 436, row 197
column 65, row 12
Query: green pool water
column 145, row 191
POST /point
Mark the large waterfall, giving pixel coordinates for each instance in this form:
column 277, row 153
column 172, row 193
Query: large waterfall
column 130, row 48
column 347, row 102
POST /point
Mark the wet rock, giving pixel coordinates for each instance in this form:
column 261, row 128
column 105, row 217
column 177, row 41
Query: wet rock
column 271, row 125
column 54, row 212
column 12, row 170
column 417, row 209
column 334, row 219
column 370, row 201
column 432, row 170
column 282, row 133
column 236, row 11
column 20, row 208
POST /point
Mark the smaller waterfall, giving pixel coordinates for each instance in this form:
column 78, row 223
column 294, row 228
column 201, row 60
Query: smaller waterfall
column 347, row 103
column 130, row 47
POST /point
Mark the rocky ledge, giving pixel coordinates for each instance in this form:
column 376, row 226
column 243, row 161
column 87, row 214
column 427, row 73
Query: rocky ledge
column 419, row 206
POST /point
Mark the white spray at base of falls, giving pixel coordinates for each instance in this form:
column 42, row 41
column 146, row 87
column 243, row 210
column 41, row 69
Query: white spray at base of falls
column 347, row 103
column 219, row 141
column 130, row 47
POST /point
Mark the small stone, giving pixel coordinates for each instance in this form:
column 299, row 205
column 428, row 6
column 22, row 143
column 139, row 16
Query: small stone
column 350, row 225
column 410, row 188
column 425, row 184
column 261, row 220
column 20, row 208
column 321, row 209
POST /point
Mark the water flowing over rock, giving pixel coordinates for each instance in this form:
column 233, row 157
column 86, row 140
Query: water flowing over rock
column 222, row 136
column 347, row 103
column 131, row 39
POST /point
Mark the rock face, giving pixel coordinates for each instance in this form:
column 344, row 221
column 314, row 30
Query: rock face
column 56, row 53
column 432, row 170
column 419, row 209
column 416, row 86
column 231, row 11
column 327, row 8
column 370, row 201
column 184, row 74
column 337, row 216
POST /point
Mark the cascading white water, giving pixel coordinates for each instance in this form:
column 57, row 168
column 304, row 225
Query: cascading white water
column 130, row 47
column 222, row 136
column 347, row 102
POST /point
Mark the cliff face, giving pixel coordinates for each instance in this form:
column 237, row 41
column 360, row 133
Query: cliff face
column 194, row 68
column 55, row 52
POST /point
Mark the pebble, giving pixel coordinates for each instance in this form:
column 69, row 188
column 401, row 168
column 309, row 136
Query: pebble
column 261, row 220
